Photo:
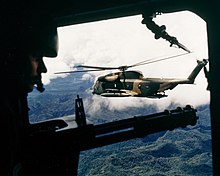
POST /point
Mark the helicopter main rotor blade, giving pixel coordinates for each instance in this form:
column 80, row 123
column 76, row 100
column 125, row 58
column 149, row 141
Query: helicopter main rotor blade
column 121, row 68
column 76, row 71
column 100, row 68
column 156, row 60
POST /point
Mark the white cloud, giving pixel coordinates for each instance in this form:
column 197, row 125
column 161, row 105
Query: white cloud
column 126, row 41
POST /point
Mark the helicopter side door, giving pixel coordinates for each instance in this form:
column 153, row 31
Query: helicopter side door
column 148, row 88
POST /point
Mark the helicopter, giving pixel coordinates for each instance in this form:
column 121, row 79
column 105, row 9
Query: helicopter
column 126, row 83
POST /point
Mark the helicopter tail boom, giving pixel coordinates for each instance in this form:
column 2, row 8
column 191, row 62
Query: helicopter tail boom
column 166, row 84
column 196, row 70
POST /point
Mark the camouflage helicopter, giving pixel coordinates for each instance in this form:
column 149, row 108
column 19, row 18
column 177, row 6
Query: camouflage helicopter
column 127, row 83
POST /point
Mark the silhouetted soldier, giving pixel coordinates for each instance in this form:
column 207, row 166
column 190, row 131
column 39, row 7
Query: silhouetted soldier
column 25, row 40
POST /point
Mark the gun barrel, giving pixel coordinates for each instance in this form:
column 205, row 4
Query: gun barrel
column 138, row 126
column 88, row 136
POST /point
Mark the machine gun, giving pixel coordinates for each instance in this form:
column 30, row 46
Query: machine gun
column 93, row 136
column 60, row 140
column 87, row 135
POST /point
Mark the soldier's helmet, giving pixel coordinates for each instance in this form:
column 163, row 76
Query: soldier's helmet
column 29, row 33
column 23, row 35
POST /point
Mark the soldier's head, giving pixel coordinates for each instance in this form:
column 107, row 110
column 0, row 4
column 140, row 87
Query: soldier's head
column 26, row 43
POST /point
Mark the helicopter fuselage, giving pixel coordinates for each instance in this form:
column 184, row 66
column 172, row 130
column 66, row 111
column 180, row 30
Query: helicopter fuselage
column 133, row 83
column 129, row 83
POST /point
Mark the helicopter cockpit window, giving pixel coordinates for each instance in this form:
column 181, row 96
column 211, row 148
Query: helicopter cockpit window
column 127, row 46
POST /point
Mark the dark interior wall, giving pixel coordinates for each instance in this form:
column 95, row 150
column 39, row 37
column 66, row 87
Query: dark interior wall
column 68, row 12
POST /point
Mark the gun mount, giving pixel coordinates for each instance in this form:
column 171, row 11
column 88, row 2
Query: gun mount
column 160, row 31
